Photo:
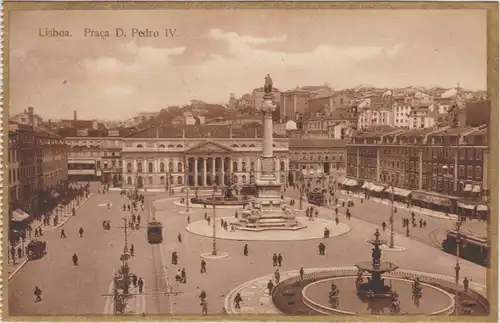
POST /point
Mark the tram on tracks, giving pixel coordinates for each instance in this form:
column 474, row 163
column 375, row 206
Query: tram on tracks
column 155, row 232
column 472, row 246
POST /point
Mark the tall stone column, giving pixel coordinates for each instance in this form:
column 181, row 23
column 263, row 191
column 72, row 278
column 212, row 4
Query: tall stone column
column 204, row 171
column 196, row 171
column 213, row 170
column 222, row 171
column 420, row 168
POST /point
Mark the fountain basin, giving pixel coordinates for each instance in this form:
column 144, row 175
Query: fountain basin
column 434, row 300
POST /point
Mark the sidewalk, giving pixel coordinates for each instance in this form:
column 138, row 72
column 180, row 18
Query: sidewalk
column 12, row 268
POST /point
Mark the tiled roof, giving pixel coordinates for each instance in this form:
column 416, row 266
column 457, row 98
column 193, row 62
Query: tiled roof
column 416, row 132
column 317, row 143
column 73, row 132
column 41, row 133
column 82, row 124
column 480, row 132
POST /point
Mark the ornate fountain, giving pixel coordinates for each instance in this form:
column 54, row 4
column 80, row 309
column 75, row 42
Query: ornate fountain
column 227, row 197
column 375, row 287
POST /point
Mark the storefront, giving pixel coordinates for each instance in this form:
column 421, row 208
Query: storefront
column 433, row 201
column 372, row 189
column 400, row 194
column 350, row 184
column 18, row 223
column 470, row 209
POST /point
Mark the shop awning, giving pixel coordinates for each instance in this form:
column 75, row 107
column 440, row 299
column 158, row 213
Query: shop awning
column 19, row 215
column 468, row 188
column 482, row 207
column 376, row 188
column 476, row 189
column 366, row 185
column 351, row 182
column 419, row 196
column 466, row 206
column 398, row 191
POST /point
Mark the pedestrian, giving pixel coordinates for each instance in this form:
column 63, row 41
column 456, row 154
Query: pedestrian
column 133, row 218
column 421, row 223
column 277, row 276
column 280, row 259
column 225, row 225
column 275, row 260
column 38, row 294
column 245, row 250
column 140, row 283
column 407, row 231
column 19, row 252
column 204, row 307
column 81, row 232
column 301, row 272
column 208, row 220
column 134, row 280
column 139, row 218
column 270, row 286
column 237, row 301
column 466, row 284
column 188, row 219
column 63, row 234
column 203, row 266
column 40, row 232
column 425, row 223
column 132, row 249
column 183, row 275
column 337, row 220
column 383, row 225
column 221, row 223
column 13, row 254
column 206, row 216
column 179, row 238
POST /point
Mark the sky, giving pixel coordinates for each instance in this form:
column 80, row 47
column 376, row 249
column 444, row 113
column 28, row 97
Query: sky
column 213, row 53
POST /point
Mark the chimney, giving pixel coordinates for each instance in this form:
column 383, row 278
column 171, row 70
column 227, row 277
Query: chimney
column 31, row 116
column 74, row 115
column 50, row 125
column 94, row 124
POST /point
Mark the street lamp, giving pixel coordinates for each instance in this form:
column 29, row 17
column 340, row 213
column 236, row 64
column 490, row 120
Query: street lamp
column 458, row 225
column 214, row 243
column 186, row 170
column 391, row 241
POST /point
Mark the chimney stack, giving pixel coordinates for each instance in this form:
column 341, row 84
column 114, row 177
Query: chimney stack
column 74, row 115
column 31, row 116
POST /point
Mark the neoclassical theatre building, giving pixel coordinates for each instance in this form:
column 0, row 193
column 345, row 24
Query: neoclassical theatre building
column 155, row 158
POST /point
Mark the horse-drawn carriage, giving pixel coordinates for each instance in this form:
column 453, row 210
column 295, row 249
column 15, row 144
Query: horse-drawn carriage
column 36, row 249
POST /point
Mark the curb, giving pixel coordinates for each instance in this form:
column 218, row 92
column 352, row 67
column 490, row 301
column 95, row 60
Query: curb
column 59, row 225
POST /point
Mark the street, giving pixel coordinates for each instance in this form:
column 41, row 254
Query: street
column 78, row 290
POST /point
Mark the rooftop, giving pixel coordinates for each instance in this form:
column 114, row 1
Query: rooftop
column 317, row 143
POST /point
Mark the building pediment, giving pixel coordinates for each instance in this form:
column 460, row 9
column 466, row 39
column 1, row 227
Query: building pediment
column 209, row 147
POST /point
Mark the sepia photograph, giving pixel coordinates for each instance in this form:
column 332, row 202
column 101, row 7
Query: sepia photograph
column 224, row 163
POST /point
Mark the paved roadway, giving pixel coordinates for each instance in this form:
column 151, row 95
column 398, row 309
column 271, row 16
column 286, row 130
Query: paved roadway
column 377, row 213
column 77, row 290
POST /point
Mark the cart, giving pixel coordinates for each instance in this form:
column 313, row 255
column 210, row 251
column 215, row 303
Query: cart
column 36, row 249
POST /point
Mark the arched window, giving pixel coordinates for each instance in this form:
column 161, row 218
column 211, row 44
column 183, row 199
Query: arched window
column 251, row 145
column 170, row 167
column 235, row 166
column 282, row 166
column 140, row 146
column 162, row 146
column 179, row 180
column 139, row 167
column 243, row 146
column 179, row 146
column 244, row 178
column 179, row 167
column 129, row 180
column 150, row 179
column 162, row 180
column 171, row 146
column 162, row 168
column 129, row 167
column 235, row 146
column 150, row 167
column 252, row 166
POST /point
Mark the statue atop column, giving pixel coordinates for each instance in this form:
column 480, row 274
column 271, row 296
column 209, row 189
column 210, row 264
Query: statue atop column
column 268, row 86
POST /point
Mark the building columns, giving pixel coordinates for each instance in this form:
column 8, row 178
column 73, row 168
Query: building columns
column 420, row 171
column 204, row 171
column 357, row 163
column 378, row 165
column 213, row 170
column 222, row 173
column 196, row 172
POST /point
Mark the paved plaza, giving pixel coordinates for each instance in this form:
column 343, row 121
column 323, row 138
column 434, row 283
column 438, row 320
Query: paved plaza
column 85, row 289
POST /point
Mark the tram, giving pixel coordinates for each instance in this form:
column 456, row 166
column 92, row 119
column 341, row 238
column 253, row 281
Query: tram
column 155, row 234
column 473, row 247
column 316, row 197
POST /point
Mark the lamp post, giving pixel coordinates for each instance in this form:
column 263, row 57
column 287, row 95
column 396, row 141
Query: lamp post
column 300, row 199
column 214, row 243
column 186, row 170
column 391, row 241
column 458, row 224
